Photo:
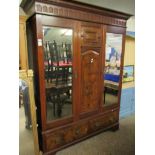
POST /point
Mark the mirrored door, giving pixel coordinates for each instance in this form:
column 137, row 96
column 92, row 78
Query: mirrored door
column 111, row 75
column 58, row 54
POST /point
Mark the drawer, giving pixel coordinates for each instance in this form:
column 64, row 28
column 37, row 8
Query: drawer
column 69, row 134
column 64, row 136
column 53, row 140
column 104, row 121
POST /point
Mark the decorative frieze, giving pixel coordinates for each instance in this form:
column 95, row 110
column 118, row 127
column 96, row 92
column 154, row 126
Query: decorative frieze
column 76, row 14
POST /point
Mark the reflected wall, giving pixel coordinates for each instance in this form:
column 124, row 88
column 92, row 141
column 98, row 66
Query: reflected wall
column 111, row 75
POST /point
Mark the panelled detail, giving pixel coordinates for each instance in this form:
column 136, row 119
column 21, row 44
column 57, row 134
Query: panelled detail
column 91, row 36
column 76, row 131
column 76, row 14
column 91, row 42
column 90, row 80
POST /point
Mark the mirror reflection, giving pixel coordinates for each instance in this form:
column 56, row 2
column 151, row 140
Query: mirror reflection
column 112, row 68
column 24, row 102
column 58, row 71
column 25, row 123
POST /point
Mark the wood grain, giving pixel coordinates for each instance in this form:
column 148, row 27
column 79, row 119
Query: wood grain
column 89, row 26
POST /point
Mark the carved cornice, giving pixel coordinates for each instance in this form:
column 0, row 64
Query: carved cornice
column 75, row 10
column 77, row 14
column 73, row 4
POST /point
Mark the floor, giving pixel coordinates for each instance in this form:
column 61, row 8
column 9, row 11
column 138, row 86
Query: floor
column 25, row 136
column 66, row 111
column 121, row 142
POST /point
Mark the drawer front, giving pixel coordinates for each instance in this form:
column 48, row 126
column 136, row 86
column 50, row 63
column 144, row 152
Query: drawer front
column 76, row 131
column 105, row 121
column 65, row 136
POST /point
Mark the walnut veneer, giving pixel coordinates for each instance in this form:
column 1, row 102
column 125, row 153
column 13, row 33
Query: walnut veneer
column 90, row 25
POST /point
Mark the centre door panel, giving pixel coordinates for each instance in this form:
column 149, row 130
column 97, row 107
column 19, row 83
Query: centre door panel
column 90, row 81
column 90, row 67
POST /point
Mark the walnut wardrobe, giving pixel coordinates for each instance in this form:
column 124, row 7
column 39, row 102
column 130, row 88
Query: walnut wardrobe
column 76, row 52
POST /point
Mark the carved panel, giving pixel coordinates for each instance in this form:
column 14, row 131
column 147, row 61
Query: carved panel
column 66, row 135
column 44, row 8
column 54, row 140
column 91, row 36
column 90, row 81
column 69, row 135
column 81, row 130
column 77, row 14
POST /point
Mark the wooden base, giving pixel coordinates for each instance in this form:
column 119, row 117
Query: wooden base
column 115, row 128
column 110, row 128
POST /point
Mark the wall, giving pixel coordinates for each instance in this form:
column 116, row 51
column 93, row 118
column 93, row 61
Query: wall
column 57, row 35
column 21, row 12
column 129, row 57
column 131, row 24
column 127, row 6
column 127, row 106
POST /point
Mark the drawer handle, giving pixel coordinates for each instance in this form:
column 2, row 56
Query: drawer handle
column 97, row 124
column 77, row 131
column 111, row 119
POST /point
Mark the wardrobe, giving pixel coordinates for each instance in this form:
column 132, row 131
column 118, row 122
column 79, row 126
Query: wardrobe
column 76, row 52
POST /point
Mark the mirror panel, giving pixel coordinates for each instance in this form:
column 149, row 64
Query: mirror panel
column 112, row 68
column 58, row 53
column 25, row 122
column 24, row 102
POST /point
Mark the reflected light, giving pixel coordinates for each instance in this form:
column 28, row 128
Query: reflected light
column 66, row 32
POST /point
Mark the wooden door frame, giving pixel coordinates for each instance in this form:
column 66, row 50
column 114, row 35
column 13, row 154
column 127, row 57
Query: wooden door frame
column 116, row 30
column 43, row 20
column 23, row 54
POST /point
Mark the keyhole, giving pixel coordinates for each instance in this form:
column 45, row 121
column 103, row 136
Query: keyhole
column 91, row 60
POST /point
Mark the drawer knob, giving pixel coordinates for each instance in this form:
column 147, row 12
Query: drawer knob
column 97, row 124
